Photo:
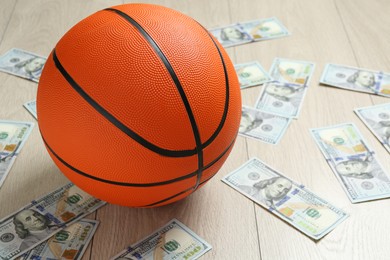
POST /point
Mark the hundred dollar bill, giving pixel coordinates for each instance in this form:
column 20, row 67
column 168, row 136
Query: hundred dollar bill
column 283, row 99
column 262, row 126
column 258, row 30
column 13, row 135
column 292, row 71
column 231, row 35
column 44, row 217
column 69, row 243
column 290, row 201
column 357, row 79
column 31, row 107
column 353, row 162
column 265, row 29
column 251, row 74
column 377, row 119
column 23, row 64
column 174, row 241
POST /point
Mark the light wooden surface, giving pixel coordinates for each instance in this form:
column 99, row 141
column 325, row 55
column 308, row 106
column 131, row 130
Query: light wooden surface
column 351, row 32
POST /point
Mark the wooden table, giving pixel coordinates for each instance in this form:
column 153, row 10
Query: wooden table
column 351, row 32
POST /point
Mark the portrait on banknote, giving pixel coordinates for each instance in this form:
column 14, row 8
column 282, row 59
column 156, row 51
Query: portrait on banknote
column 381, row 128
column 362, row 79
column 358, row 168
column 32, row 227
column 249, row 121
column 268, row 191
column 283, row 92
column 231, row 35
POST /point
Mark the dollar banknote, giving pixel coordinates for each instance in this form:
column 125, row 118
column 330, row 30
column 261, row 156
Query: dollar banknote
column 265, row 29
column 13, row 135
column 69, row 243
column 251, row 74
column 262, row 126
column 43, row 218
column 283, row 99
column 31, row 107
column 23, row 64
column 356, row 79
column 353, row 162
column 292, row 71
column 231, row 35
column 174, row 241
column 251, row 31
column 288, row 200
column 377, row 119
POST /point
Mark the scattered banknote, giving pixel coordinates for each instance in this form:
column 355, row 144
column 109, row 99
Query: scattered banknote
column 23, row 64
column 265, row 29
column 69, row 243
column 377, row 119
column 250, row 31
column 31, row 106
column 292, row 71
column 356, row 79
column 353, row 162
column 251, row 74
column 289, row 200
column 231, row 35
column 13, row 135
column 40, row 220
column 174, row 241
column 283, row 99
column 262, row 126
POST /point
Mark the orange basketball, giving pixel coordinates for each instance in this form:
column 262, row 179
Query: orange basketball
column 139, row 105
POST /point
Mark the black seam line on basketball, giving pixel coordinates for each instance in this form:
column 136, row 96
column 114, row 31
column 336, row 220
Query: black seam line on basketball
column 227, row 95
column 193, row 190
column 131, row 184
column 178, row 85
column 176, row 195
column 115, row 121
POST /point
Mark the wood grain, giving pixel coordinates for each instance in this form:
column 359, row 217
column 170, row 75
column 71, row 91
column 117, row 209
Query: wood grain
column 350, row 32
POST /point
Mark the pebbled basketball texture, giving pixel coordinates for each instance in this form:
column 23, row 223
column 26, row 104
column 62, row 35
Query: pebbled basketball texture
column 139, row 105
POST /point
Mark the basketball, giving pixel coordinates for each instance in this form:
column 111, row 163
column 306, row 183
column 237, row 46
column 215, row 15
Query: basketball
column 138, row 105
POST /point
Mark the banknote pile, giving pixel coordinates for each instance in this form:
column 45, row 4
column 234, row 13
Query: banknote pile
column 280, row 99
column 57, row 215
